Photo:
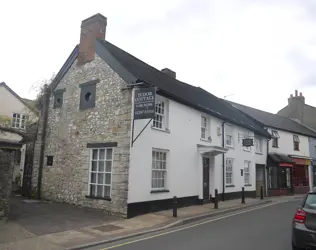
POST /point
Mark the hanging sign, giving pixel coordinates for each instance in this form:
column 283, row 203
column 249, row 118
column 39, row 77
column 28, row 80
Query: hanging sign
column 248, row 142
column 144, row 103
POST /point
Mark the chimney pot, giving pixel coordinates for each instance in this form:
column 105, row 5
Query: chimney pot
column 296, row 93
column 169, row 72
column 301, row 94
column 291, row 96
column 92, row 28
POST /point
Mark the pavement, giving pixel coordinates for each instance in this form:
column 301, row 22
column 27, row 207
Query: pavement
column 267, row 227
column 78, row 228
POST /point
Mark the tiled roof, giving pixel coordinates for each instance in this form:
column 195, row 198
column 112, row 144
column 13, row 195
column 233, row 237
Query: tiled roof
column 275, row 121
column 195, row 97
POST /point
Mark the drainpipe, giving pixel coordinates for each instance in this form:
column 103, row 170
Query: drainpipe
column 223, row 157
column 43, row 135
column 266, row 174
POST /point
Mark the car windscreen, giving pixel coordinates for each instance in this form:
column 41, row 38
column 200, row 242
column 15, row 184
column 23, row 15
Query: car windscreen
column 310, row 202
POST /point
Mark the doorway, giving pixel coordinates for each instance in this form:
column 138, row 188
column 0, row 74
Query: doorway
column 259, row 179
column 206, row 179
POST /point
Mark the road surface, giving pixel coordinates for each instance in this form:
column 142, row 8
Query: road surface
column 267, row 228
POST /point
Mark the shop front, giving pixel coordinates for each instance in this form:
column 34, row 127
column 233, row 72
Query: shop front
column 280, row 174
column 301, row 182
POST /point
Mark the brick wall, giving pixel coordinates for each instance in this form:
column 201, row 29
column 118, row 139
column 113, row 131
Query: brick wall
column 6, row 172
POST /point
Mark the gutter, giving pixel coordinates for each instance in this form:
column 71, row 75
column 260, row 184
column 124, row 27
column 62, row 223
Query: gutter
column 43, row 135
column 223, row 158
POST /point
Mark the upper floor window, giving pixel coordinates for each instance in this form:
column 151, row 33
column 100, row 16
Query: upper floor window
column 204, row 130
column 58, row 98
column 161, row 117
column 296, row 142
column 88, row 94
column 275, row 139
column 19, row 120
column 258, row 144
column 229, row 136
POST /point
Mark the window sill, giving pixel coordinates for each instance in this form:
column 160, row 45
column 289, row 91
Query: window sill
column 229, row 186
column 98, row 198
column 205, row 140
column 258, row 153
column 275, row 147
column 297, row 150
column 247, row 185
column 160, row 129
column 159, row 191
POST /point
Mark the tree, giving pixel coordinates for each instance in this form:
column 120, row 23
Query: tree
column 39, row 89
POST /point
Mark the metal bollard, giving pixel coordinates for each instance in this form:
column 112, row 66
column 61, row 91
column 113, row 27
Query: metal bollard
column 261, row 193
column 216, row 199
column 175, row 206
column 243, row 195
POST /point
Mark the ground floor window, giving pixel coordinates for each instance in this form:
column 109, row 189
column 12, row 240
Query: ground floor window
column 285, row 177
column 229, row 171
column 247, row 172
column 300, row 176
column 101, row 172
column 273, row 177
column 159, row 169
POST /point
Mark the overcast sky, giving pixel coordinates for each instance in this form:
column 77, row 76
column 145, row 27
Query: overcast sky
column 258, row 50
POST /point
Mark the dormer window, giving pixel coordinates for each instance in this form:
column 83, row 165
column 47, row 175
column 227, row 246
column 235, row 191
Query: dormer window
column 275, row 139
column 161, row 118
column 296, row 142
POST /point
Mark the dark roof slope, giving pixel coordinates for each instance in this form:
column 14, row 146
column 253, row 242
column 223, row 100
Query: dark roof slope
column 19, row 98
column 193, row 96
column 274, row 120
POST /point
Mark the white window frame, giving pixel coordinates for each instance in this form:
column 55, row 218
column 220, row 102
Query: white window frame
column 259, row 145
column 19, row 121
column 204, row 127
column 159, row 170
column 229, row 134
column 296, row 139
column 275, row 136
column 229, row 163
column 247, row 172
column 160, row 121
column 98, row 172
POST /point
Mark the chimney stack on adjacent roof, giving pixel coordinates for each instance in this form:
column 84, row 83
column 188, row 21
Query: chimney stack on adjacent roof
column 296, row 93
column 169, row 72
column 92, row 28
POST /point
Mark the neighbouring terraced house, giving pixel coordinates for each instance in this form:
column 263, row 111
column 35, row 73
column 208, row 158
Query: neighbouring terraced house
column 289, row 162
column 97, row 155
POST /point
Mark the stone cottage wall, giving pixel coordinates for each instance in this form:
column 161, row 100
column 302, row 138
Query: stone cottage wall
column 6, row 173
column 70, row 129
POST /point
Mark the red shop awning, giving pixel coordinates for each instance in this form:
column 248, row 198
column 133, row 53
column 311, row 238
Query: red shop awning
column 286, row 165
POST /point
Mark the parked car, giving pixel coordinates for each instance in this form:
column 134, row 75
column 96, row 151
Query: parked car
column 304, row 223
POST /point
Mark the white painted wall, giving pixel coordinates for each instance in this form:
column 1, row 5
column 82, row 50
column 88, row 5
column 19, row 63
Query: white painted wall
column 184, row 174
column 286, row 144
column 9, row 104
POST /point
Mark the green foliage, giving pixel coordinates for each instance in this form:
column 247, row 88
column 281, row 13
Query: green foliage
column 5, row 120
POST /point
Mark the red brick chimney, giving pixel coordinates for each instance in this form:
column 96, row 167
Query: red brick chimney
column 92, row 28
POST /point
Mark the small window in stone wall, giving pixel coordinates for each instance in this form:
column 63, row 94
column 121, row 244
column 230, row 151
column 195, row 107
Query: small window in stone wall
column 50, row 160
column 58, row 98
column 88, row 94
